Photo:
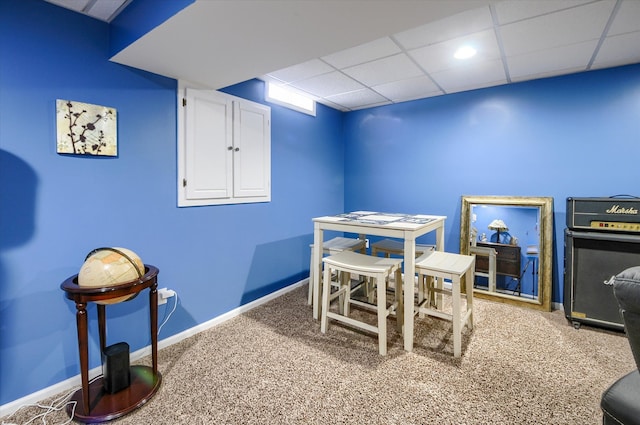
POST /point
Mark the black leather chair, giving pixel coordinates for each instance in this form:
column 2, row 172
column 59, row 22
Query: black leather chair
column 620, row 403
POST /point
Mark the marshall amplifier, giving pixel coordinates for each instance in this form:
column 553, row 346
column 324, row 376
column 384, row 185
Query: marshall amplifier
column 604, row 214
column 602, row 240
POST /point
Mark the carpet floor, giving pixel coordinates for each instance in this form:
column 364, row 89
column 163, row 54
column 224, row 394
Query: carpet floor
column 272, row 365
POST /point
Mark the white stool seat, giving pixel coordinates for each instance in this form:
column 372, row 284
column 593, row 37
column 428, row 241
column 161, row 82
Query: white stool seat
column 375, row 268
column 391, row 246
column 333, row 246
column 445, row 265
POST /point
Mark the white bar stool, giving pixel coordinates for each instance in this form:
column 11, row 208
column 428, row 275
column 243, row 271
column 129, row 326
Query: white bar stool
column 390, row 247
column 444, row 265
column 375, row 268
column 333, row 246
column 490, row 274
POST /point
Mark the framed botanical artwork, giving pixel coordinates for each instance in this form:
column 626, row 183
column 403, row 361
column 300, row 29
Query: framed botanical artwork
column 86, row 129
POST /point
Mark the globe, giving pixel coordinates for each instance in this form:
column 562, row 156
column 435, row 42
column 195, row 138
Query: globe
column 105, row 267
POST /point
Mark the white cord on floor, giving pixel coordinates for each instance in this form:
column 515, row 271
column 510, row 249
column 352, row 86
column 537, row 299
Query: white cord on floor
column 53, row 407
column 175, row 304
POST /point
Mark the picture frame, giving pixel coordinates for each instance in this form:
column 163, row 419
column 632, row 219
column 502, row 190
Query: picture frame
column 86, row 129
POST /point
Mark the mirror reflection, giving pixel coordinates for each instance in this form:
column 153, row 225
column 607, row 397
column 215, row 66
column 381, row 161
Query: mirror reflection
column 511, row 238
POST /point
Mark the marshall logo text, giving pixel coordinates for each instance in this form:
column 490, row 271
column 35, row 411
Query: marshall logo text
column 616, row 209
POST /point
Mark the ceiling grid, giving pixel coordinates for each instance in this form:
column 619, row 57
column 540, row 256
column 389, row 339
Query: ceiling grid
column 515, row 40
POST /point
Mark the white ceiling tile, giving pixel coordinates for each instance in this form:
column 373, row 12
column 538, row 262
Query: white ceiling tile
column 452, row 27
column 77, row 5
column 512, row 11
column 483, row 74
column 619, row 50
column 398, row 67
column 557, row 29
column 328, row 84
column 301, row 71
column 372, row 105
column 357, row 98
column 467, row 87
column 105, row 9
column 364, row 53
column 410, row 89
column 553, row 73
column 99, row 9
column 439, row 57
column 627, row 19
column 575, row 56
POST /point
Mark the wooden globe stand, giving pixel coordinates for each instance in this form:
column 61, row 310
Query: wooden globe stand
column 93, row 403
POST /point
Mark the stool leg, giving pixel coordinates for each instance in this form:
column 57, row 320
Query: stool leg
column 326, row 289
column 457, row 334
column 399, row 301
column 470, row 297
column 345, row 282
column 310, row 295
column 369, row 288
column 431, row 284
column 382, row 314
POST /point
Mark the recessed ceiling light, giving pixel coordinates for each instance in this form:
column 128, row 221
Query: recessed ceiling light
column 464, row 52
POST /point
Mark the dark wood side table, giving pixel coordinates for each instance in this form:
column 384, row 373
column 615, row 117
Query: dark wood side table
column 94, row 404
column 507, row 259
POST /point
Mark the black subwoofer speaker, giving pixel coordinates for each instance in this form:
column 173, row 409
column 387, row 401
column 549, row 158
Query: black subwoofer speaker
column 115, row 367
column 592, row 260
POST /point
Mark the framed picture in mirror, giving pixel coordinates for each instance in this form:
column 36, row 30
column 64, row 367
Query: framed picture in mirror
column 512, row 239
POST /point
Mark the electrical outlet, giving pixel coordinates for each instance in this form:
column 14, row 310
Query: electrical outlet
column 164, row 294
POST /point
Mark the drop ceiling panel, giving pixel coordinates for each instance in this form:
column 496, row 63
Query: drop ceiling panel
column 363, row 98
column 364, row 53
column 397, row 67
column 439, row 57
column 627, row 18
column 619, row 50
column 410, row 89
column 330, row 84
column 558, row 29
column 512, row 11
column 302, row 71
column 464, row 23
column 104, row 10
column 481, row 74
column 559, row 59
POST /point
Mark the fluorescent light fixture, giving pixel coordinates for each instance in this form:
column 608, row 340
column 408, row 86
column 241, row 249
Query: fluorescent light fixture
column 289, row 98
column 464, row 52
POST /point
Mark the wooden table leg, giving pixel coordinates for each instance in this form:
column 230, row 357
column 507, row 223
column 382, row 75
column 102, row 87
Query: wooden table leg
column 153, row 312
column 102, row 327
column 83, row 349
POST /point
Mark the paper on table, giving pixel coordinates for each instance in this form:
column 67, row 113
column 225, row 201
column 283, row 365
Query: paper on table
column 386, row 218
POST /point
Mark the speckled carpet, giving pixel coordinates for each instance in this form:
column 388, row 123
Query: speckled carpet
column 272, row 365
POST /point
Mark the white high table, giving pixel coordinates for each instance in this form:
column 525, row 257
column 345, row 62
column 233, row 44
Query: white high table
column 401, row 226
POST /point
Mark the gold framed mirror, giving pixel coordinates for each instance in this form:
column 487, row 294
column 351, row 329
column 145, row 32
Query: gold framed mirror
column 512, row 238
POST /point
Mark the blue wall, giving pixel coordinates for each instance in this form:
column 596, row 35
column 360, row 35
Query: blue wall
column 576, row 135
column 568, row 136
column 54, row 208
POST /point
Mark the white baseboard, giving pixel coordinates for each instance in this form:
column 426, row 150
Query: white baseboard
column 75, row 382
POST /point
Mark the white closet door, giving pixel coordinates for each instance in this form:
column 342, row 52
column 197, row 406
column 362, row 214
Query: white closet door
column 252, row 151
column 209, row 145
